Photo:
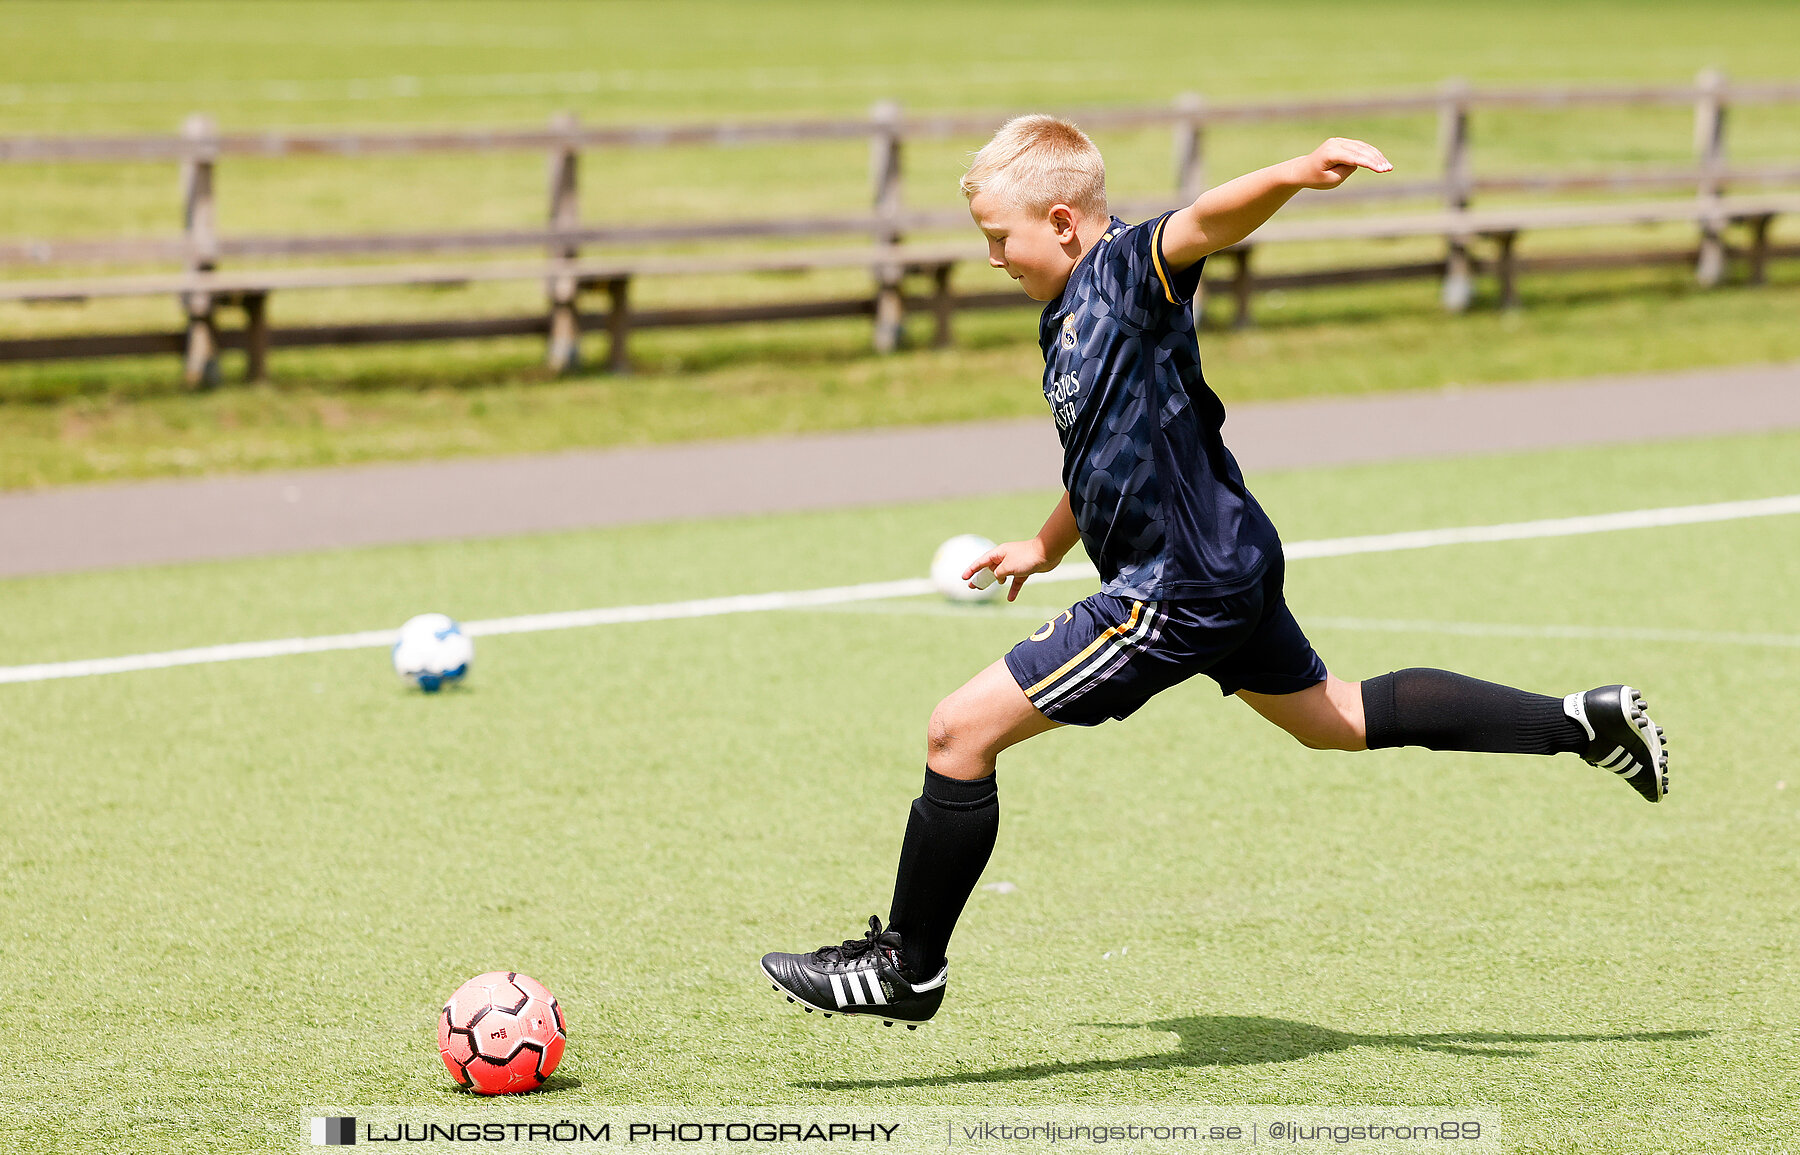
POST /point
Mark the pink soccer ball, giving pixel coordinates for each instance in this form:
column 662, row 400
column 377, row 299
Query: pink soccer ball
column 501, row 1033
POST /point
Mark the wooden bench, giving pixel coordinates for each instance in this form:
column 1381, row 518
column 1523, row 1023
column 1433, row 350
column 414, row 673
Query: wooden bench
column 1502, row 227
column 568, row 278
column 202, row 293
column 557, row 259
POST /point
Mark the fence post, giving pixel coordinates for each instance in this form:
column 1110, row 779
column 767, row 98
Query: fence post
column 1506, row 265
column 256, row 336
column 884, row 165
column 618, row 324
column 1709, row 142
column 1759, row 247
column 943, row 305
column 565, row 216
column 200, row 223
column 1242, row 285
column 1190, row 169
column 1453, row 142
column 1190, row 146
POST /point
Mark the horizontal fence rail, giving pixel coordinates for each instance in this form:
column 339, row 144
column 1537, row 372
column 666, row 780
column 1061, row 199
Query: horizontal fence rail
column 1731, row 221
column 275, row 143
column 145, row 250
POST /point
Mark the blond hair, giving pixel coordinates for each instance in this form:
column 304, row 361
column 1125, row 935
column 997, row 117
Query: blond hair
column 1037, row 161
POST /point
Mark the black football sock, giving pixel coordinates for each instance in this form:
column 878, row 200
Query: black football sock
column 1444, row 711
column 949, row 836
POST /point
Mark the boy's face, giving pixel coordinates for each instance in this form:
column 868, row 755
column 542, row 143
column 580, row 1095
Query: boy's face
column 1038, row 250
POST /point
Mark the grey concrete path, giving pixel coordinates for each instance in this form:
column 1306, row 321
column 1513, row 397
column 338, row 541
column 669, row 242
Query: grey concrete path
column 138, row 523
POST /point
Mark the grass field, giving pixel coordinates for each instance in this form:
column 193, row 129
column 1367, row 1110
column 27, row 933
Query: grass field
column 144, row 63
column 232, row 893
column 106, row 66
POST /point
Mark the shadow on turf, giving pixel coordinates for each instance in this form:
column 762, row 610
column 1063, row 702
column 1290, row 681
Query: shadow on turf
column 1240, row 1040
column 551, row 1085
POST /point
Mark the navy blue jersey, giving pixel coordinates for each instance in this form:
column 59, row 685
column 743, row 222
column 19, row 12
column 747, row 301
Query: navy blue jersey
column 1159, row 500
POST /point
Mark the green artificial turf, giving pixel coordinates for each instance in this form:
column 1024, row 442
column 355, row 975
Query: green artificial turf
column 233, row 894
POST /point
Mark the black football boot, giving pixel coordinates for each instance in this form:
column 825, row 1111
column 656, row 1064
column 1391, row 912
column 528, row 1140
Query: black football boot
column 859, row 977
column 1622, row 738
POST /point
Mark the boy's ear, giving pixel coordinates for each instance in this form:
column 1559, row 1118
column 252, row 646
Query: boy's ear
column 1062, row 222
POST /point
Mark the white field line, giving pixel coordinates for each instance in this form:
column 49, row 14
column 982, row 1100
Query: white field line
column 1003, row 611
column 909, row 587
column 1552, row 527
column 529, row 623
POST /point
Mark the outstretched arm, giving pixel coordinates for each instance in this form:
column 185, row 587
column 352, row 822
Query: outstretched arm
column 1225, row 215
column 1018, row 560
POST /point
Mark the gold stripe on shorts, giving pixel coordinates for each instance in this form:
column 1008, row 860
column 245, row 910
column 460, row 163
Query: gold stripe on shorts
column 1110, row 631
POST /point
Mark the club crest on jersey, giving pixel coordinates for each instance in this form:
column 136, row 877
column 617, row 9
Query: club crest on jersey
column 1068, row 332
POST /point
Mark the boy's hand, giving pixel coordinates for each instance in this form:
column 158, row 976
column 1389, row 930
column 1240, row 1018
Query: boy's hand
column 1332, row 162
column 1016, row 560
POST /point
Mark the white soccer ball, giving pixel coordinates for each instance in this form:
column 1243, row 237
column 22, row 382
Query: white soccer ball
column 957, row 555
column 432, row 652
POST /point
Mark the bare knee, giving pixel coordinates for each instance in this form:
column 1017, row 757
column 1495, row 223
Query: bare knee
column 1329, row 732
column 940, row 732
column 952, row 744
column 951, row 733
column 1332, row 734
column 1328, row 716
column 1335, row 740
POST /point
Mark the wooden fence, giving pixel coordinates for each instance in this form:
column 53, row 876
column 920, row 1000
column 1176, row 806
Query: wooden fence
column 203, row 289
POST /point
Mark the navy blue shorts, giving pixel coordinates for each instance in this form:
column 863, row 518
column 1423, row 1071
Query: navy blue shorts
column 1103, row 657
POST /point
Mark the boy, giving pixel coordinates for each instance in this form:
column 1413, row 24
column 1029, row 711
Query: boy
column 1191, row 566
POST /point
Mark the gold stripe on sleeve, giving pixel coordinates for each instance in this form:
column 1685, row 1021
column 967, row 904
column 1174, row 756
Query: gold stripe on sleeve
column 1156, row 259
